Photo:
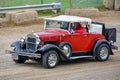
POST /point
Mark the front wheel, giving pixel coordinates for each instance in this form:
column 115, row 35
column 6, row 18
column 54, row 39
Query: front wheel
column 18, row 59
column 50, row 59
column 102, row 52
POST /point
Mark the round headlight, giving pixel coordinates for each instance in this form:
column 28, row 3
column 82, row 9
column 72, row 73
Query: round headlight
column 22, row 39
column 37, row 39
column 38, row 42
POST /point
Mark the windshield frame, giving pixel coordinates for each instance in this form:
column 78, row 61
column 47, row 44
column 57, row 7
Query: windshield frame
column 60, row 23
column 69, row 30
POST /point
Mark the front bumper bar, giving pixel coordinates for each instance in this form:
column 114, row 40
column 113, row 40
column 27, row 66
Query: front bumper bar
column 31, row 55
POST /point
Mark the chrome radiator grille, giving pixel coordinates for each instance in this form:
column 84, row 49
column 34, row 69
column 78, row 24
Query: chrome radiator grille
column 31, row 43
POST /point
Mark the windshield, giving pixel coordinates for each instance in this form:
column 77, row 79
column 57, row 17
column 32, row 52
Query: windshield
column 57, row 24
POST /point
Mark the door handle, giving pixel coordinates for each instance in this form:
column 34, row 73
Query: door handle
column 85, row 35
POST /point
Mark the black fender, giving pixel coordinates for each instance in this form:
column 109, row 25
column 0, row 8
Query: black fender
column 63, row 43
column 49, row 47
column 16, row 45
column 97, row 43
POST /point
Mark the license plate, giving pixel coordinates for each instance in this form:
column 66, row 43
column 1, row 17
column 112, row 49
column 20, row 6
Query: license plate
column 15, row 56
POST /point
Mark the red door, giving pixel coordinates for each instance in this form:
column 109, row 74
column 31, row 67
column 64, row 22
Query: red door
column 80, row 41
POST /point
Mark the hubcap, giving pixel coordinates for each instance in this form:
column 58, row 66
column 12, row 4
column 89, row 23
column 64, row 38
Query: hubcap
column 52, row 60
column 66, row 50
column 104, row 52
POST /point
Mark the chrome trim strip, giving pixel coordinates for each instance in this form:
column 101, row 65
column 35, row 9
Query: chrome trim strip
column 80, row 57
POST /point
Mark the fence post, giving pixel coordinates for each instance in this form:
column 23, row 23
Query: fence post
column 41, row 1
column 58, row 0
column 71, row 4
column 26, row 2
column 97, row 1
column 77, row 2
column 88, row 3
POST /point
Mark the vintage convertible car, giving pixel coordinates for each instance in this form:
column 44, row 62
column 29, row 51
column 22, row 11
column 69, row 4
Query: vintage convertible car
column 58, row 41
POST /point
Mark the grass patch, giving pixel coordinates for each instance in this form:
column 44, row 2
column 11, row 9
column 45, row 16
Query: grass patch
column 2, row 15
column 49, row 13
column 102, row 8
column 87, row 3
column 65, row 3
column 45, row 13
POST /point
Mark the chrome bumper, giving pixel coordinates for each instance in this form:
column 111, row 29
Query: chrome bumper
column 31, row 55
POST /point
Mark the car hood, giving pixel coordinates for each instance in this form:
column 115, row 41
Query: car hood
column 52, row 34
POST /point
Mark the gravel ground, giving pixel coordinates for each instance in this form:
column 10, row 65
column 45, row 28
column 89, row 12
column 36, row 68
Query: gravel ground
column 81, row 69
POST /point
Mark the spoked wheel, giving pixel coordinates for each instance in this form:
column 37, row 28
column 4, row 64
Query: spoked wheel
column 66, row 48
column 50, row 59
column 103, row 52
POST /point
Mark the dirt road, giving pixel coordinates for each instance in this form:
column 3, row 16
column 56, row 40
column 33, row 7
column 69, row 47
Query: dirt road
column 82, row 69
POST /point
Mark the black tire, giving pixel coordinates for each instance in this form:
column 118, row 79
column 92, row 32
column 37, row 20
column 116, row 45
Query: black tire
column 21, row 59
column 102, row 52
column 47, row 60
column 68, row 51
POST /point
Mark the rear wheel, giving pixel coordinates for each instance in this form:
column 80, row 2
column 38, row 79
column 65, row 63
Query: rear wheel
column 102, row 52
column 50, row 59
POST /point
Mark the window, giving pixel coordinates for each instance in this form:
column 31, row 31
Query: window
column 57, row 24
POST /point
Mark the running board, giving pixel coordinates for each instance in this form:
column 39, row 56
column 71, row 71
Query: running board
column 80, row 57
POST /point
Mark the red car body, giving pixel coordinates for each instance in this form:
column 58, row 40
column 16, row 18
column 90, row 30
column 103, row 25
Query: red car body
column 84, row 40
column 58, row 41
